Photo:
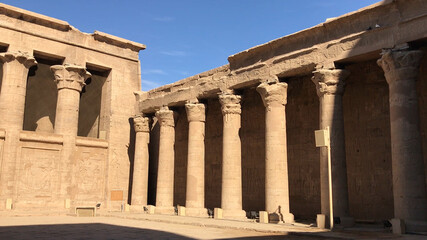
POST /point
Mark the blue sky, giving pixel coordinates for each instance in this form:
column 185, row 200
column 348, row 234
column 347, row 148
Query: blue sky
column 187, row 37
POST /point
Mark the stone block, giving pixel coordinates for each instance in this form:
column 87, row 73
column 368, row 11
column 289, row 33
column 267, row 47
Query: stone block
column 9, row 204
column 398, row 226
column 127, row 207
column 218, row 213
column 263, row 217
column 150, row 209
column 181, row 211
column 85, row 211
column 67, row 203
column 321, row 221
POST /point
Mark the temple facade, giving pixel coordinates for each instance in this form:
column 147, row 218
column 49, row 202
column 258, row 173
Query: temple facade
column 64, row 134
column 234, row 140
column 240, row 138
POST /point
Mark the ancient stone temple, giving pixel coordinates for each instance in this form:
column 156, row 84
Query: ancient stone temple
column 64, row 134
column 235, row 139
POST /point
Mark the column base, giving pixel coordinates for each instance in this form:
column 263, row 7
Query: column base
column 196, row 212
column 136, row 208
column 234, row 214
column 165, row 210
column 288, row 218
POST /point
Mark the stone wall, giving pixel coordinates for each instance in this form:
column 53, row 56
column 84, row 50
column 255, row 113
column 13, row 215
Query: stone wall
column 91, row 102
column 422, row 99
column 90, row 175
column 181, row 150
column 213, row 154
column 39, row 172
column 367, row 136
column 40, row 102
column 153, row 162
column 252, row 136
column 302, row 119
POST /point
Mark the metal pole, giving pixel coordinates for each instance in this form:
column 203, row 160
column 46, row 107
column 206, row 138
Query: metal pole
column 331, row 209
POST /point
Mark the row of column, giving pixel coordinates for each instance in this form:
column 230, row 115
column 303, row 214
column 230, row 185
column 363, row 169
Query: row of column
column 69, row 79
column 410, row 202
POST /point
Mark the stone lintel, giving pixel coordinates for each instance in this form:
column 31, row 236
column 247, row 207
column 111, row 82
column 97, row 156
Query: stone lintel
column 330, row 81
column 141, row 124
column 195, row 112
column 273, row 94
column 35, row 18
column 70, row 76
column 230, row 103
column 400, row 64
column 22, row 57
column 117, row 41
column 165, row 117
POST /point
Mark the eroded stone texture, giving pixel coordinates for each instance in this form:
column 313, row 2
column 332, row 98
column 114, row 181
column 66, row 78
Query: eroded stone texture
column 330, row 87
column 274, row 97
column 12, row 105
column 302, row 119
column 140, row 166
column 165, row 176
column 231, row 195
column 195, row 197
column 367, row 138
column 401, row 68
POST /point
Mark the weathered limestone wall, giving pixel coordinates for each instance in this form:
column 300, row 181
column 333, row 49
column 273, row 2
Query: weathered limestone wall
column 252, row 135
column 181, row 150
column 40, row 102
column 90, row 177
column 367, row 137
column 1, row 74
column 302, row 119
column 213, row 154
column 90, row 106
column 422, row 100
column 39, row 35
column 38, row 171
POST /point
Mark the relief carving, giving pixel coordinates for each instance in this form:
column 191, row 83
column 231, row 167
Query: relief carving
column 330, row 81
column 141, row 124
column 195, row 112
column 400, row 64
column 70, row 76
column 165, row 117
column 230, row 104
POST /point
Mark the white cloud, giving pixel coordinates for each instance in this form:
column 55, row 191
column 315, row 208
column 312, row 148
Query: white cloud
column 154, row 71
column 174, row 53
column 164, row 19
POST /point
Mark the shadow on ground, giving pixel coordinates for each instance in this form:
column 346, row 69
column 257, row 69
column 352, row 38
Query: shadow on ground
column 100, row 231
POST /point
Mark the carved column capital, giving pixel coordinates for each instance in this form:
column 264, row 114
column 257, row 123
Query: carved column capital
column 195, row 112
column 400, row 64
column 22, row 57
column 165, row 117
column 330, row 81
column 70, row 76
column 141, row 124
column 230, row 104
column 274, row 94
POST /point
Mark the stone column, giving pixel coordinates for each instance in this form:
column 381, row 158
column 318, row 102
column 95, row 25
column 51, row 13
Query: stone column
column 12, row 106
column 409, row 190
column 140, row 164
column 195, row 194
column 165, row 176
column 330, row 88
column 274, row 97
column 231, row 197
column 70, row 80
column 14, row 88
